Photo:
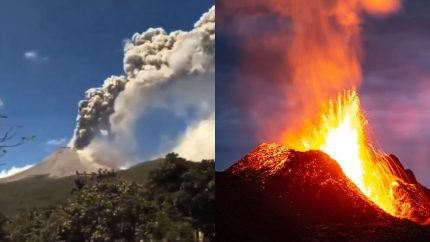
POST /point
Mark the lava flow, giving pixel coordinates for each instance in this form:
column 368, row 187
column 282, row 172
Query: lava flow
column 340, row 132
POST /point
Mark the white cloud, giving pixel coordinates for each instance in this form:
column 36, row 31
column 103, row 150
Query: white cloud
column 198, row 142
column 13, row 170
column 33, row 55
column 57, row 142
column 126, row 41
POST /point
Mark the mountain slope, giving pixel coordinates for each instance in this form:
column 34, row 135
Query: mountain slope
column 278, row 194
column 62, row 163
column 42, row 190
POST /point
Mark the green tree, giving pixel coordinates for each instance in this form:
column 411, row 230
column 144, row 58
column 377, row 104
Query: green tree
column 174, row 206
column 113, row 210
column 107, row 211
column 32, row 225
column 3, row 221
column 186, row 192
column 196, row 197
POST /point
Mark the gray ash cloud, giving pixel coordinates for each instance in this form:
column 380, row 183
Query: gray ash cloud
column 174, row 71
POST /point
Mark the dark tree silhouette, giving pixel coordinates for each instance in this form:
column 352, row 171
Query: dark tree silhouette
column 10, row 138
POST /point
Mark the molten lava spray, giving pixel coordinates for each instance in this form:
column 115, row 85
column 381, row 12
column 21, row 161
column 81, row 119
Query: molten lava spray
column 340, row 132
column 324, row 60
column 324, row 53
column 323, row 57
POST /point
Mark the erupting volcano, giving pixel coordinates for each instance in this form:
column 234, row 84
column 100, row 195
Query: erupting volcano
column 334, row 187
column 327, row 170
column 279, row 194
column 340, row 133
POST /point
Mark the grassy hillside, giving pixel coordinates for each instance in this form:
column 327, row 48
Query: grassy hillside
column 42, row 191
column 140, row 172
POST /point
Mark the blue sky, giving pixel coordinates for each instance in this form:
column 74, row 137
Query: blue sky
column 52, row 51
column 395, row 89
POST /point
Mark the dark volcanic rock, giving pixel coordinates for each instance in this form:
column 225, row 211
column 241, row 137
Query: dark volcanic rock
column 402, row 231
column 412, row 199
column 278, row 194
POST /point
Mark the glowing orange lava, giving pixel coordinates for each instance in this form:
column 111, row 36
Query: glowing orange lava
column 321, row 55
column 340, row 135
column 340, row 132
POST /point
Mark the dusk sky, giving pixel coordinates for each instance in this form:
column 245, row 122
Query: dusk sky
column 395, row 89
column 52, row 51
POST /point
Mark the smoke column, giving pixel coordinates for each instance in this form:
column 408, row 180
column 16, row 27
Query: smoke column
column 173, row 71
column 95, row 110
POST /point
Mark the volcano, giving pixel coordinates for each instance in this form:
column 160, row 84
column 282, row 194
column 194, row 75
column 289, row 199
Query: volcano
column 62, row 163
column 279, row 194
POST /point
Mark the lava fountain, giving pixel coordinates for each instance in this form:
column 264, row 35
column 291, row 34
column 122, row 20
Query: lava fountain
column 341, row 133
column 324, row 58
column 321, row 52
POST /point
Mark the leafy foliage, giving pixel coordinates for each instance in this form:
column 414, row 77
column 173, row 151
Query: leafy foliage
column 31, row 225
column 176, row 204
column 186, row 190
column 107, row 211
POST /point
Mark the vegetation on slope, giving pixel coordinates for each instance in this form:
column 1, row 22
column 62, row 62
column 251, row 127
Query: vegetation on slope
column 43, row 191
column 175, row 204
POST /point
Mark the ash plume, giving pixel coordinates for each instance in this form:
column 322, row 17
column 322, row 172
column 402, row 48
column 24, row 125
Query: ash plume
column 95, row 110
column 171, row 71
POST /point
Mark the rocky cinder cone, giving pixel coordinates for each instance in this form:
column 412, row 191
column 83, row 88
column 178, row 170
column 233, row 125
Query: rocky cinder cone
column 279, row 194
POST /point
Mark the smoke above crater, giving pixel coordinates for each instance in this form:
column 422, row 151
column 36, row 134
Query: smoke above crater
column 170, row 71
